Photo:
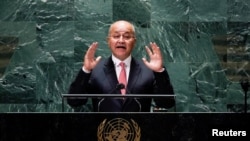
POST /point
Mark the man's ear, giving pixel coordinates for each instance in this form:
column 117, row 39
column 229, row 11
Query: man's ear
column 134, row 42
column 107, row 40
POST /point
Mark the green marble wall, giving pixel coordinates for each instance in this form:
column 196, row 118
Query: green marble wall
column 206, row 47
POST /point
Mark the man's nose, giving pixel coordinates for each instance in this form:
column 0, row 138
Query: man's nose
column 121, row 39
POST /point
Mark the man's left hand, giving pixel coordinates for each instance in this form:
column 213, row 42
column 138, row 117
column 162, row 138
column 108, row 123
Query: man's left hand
column 155, row 62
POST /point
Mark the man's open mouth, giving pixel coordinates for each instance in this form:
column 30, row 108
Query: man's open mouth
column 123, row 47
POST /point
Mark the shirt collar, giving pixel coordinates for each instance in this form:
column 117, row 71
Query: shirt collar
column 117, row 61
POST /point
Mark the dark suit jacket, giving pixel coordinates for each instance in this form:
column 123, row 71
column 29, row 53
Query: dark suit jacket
column 103, row 80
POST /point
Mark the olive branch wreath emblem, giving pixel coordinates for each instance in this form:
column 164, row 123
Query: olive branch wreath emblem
column 103, row 124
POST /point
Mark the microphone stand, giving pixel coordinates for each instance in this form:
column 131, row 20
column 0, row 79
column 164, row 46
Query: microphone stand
column 244, row 86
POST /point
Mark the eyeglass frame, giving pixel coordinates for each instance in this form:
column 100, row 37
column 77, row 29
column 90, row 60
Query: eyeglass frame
column 125, row 36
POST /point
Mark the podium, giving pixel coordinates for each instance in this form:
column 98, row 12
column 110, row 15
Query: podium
column 139, row 126
column 160, row 126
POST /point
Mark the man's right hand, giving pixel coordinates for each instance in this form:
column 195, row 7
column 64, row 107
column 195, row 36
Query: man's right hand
column 90, row 61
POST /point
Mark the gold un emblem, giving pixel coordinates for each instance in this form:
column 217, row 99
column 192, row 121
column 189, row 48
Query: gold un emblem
column 118, row 129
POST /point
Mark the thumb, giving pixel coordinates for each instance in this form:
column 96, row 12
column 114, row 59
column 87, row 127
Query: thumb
column 98, row 59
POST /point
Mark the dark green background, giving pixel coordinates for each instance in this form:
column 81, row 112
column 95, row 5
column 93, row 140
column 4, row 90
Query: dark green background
column 206, row 47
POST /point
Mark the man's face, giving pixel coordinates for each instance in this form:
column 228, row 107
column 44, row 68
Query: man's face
column 121, row 39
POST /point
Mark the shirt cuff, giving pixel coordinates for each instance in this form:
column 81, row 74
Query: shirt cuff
column 86, row 71
column 162, row 70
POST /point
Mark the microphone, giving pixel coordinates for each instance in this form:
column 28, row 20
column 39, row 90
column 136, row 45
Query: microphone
column 244, row 85
column 122, row 86
column 119, row 86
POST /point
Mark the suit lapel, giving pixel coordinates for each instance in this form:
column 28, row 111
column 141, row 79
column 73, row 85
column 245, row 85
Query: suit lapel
column 133, row 74
column 133, row 77
column 110, row 73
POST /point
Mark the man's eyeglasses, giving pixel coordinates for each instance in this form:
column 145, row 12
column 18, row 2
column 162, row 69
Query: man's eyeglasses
column 125, row 37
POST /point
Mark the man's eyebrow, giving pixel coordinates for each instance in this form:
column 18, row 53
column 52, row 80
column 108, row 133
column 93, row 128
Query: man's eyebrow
column 117, row 32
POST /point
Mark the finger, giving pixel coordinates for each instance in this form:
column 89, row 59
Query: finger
column 93, row 48
column 98, row 59
column 155, row 48
column 148, row 51
column 91, row 51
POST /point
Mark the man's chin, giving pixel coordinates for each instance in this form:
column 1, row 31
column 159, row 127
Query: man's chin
column 121, row 56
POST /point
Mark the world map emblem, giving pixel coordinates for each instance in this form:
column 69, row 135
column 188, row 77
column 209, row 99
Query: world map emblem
column 118, row 129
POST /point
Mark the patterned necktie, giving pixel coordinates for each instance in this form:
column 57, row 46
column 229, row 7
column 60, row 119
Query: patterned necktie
column 123, row 78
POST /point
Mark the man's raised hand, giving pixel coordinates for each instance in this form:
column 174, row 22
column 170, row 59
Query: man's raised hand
column 155, row 62
column 90, row 61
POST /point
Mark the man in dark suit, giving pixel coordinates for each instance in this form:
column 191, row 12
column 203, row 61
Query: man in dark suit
column 102, row 76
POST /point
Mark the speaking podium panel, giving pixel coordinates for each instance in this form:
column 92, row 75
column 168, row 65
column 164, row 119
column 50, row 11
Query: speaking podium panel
column 124, row 126
column 113, row 96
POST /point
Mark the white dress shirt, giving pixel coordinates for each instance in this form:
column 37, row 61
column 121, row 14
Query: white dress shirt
column 118, row 68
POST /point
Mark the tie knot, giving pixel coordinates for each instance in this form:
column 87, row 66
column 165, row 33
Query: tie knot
column 122, row 64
